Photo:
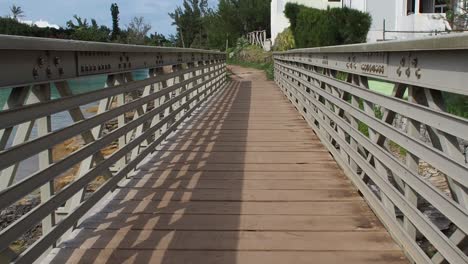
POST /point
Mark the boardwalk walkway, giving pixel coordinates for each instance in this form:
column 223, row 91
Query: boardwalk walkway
column 245, row 181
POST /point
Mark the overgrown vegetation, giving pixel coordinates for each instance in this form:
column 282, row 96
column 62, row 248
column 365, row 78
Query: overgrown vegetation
column 284, row 41
column 251, row 56
column 457, row 13
column 456, row 104
column 199, row 26
column 335, row 26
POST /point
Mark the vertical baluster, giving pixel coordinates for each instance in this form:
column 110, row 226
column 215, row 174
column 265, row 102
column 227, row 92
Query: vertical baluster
column 412, row 162
column 42, row 93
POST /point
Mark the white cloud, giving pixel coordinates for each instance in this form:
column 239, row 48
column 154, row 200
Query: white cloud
column 40, row 23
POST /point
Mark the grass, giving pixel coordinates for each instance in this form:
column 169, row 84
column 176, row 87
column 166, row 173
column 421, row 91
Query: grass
column 382, row 87
column 267, row 66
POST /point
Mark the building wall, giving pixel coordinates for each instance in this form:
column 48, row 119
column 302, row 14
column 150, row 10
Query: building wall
column 397, row 18
column 381, row 10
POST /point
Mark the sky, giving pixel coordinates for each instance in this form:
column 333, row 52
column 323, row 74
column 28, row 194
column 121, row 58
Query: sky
column 58, row 12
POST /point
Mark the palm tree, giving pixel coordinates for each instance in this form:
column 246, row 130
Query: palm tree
column 16, row 12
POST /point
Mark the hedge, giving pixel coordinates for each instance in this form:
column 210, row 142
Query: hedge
column 284, row 41
column 335, row 26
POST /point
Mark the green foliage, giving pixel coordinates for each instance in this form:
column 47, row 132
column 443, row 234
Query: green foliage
column 80, row 29
column 115, row 21
column 203, row 27
column 284, row 41
column 336, row 26
column 254, row 14
column 161, row 40
column 10, row 26
column 250, row 56
column 189, row 22
column 291, row 11
column 16, row 12
column 241, row 44
column 456, row 13
column 137, row 31
column 223, row 25
column 456, row 104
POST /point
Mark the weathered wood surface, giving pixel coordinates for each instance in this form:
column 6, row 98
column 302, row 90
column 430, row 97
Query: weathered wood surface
column 245, row 181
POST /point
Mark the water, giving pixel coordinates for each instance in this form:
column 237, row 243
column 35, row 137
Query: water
column 61, row 119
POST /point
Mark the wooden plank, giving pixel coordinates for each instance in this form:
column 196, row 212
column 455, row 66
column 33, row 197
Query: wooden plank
column 237, row 125
column 324, row 166
column 183, row 221
column 243, row 157
column 248, row 133
column 323, row 208
column 100, row 256
column 231, row 240
column 236, row 195
column 208, row 147
column 265, row 184
column 240, row 175
column 244, row 138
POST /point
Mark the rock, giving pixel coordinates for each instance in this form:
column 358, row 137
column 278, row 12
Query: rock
column 14, row 212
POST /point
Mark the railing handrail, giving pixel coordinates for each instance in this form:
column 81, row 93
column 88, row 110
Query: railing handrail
column 39, row 60
column 11, row 42
column 450, row 42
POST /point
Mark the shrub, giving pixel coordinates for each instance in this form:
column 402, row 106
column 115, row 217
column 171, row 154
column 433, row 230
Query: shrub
column 284, row 41
column 336, row 26
column 251, row 56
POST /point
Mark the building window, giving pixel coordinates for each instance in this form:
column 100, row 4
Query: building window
column 427, row 6
column 334, row 0
column 440, row 6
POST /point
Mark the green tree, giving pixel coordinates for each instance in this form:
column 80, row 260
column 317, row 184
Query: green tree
column 161, row 40
column 254, row 14
column 189, row 20
column 82, row 30
column 137, row 31
column 16, row 12
column 115, row 21
column 224, row 25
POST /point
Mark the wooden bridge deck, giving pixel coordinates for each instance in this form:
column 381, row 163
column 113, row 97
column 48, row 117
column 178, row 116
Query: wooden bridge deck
column 245, row 181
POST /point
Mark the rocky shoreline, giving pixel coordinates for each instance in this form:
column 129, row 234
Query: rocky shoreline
column 22, row 207
column 13, row 213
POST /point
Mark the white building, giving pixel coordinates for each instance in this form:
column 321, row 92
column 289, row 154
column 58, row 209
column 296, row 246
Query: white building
column 404, row 19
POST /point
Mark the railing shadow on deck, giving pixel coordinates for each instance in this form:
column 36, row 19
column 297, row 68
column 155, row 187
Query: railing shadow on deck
column 162, row 217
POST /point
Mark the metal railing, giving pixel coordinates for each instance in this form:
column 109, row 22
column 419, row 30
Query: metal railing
column 132, row 117
column 257, row 38
column 412, row 173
